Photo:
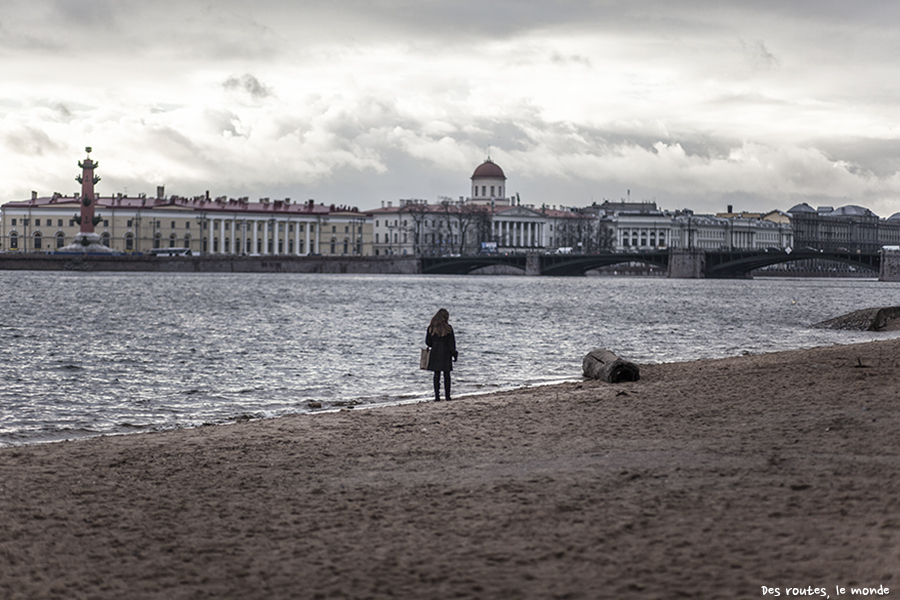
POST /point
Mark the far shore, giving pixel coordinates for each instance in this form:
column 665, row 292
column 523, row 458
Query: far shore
column 705, row 479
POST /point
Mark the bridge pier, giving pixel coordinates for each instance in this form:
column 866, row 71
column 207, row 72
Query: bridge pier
column 533, row 264
column 890, row 264
column 687, row 263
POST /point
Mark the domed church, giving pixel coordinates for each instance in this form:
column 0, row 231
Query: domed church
column 489, row 185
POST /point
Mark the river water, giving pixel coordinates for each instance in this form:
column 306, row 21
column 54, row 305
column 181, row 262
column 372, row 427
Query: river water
column 96, row 353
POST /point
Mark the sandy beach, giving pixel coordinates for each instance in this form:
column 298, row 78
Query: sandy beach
column 705, row 479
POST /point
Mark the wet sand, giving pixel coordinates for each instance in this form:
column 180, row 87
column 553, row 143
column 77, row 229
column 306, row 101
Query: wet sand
column 705, row 479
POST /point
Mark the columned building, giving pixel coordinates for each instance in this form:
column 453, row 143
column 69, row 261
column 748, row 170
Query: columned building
column 518, row 227
column 847, row 228
column 205, row 226
column 490, row 220
column 642, row 226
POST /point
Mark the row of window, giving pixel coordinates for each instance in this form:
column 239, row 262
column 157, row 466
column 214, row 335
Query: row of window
column 49, row 223
column 38, row 241
column 187, row 225
column 645, row 239
column 436, row 238
column 229, row 225
column 484, row 191
column 396, row 223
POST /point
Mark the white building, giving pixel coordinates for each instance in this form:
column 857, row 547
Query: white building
column 488, row 220
column 642, row 226
column 204, row 225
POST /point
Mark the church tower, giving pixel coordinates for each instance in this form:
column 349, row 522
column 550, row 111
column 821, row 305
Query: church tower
column 489, row 184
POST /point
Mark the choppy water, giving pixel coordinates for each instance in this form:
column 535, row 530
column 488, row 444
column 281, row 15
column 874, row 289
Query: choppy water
column 94, row 353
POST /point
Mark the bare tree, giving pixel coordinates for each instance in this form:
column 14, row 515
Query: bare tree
column 581, row 229
column 461, row 220
column 606, row 236
column 483, row 226
column 418, row 212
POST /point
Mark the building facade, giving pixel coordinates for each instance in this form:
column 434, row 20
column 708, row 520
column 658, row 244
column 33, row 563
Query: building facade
column 491, row 220
column 487, row 221
column 205, row 226
column 848, row 228
column 642, row 226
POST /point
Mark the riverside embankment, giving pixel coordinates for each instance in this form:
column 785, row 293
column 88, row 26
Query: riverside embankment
column 211, row 263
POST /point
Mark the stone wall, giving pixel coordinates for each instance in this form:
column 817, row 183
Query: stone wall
column 890, row 264
column 687, row 264
column 211, row 263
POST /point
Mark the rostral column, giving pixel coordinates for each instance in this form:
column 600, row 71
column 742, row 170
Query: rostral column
column 86, row 241
column 87, row 179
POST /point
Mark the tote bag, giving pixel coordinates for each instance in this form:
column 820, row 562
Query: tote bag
column 423, row 359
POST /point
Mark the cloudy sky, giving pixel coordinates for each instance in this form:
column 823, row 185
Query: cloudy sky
column 761, row 104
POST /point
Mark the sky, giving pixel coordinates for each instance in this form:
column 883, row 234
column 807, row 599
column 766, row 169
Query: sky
column 757, row 104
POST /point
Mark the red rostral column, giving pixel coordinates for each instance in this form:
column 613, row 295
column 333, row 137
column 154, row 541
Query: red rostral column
column 87, row 179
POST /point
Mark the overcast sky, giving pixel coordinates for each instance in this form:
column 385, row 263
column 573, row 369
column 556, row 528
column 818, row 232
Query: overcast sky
column 759, row 104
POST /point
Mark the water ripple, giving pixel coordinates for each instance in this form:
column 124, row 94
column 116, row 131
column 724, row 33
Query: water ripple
column 92, row 353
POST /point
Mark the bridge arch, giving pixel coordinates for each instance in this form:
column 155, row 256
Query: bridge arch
column 579, row 264
column 741, row 263
column 463, row 265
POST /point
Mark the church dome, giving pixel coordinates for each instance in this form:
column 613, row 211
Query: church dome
column 852, row 210
column 802, row 208
column 488, row 170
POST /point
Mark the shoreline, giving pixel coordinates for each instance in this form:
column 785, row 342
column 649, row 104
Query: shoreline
column 341, row 406
column 708, row 478
column 892, row 326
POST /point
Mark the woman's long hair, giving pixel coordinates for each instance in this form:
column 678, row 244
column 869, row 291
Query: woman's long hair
column 439, row 323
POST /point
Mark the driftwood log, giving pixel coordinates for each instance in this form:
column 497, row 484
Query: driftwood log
column 603, row 364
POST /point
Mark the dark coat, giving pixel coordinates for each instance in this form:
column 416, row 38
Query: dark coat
column 443, row 349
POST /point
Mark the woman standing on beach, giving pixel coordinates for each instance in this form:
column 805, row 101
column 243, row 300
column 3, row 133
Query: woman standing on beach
column 443, row 351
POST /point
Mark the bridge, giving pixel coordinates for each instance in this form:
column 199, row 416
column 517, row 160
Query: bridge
column 712, row 264
column 739, row 263
column 579, row 264
column 462, row 265
column 555, row 264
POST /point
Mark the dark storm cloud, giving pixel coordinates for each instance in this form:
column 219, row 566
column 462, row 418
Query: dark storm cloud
column 498, row 19
column 878, row 158
column 249, row 84
column 86, row 13
column 693, row 103
column 759, row 55
column 29, row 141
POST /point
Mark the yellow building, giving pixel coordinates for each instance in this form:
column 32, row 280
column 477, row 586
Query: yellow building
column 222, row 225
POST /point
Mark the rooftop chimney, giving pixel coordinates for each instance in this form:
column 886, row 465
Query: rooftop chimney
column 160, row 192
